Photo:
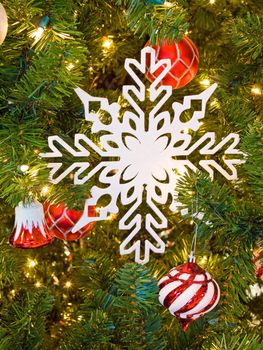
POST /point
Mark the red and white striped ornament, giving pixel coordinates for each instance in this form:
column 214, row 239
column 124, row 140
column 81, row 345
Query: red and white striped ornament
column 188, row 292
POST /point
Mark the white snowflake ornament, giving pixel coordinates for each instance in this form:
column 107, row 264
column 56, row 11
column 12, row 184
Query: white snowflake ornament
column 140, row 155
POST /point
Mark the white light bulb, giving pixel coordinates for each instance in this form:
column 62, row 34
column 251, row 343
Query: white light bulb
column 68, row 284
column 168, row 4
column 67, row 252
column 37, row 34
column 205, row 82
column 24, row 168
column 107, row 43
column 256, row 90
column 31, row 263
column 70, row 66
column 44, row 190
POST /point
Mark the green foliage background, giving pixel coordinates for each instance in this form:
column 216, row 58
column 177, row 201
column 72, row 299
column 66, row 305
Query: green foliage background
column 111, row 302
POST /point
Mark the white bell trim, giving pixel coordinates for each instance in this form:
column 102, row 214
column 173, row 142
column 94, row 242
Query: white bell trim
column 29, row 216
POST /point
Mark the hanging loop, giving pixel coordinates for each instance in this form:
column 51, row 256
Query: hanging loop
column 191, row 257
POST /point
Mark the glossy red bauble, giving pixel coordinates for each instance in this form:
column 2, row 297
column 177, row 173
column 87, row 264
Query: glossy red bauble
column 30, row 230
column 184, row 58
column 188, row 292
column 61, row 220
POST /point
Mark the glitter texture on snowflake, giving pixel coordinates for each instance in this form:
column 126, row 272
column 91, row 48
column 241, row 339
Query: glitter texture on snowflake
column 142, row 155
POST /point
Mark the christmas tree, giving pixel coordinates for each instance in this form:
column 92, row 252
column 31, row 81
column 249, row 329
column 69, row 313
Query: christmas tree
column 75, row 290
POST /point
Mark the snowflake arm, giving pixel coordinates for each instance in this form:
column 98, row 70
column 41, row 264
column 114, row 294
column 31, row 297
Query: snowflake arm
column 179, row 108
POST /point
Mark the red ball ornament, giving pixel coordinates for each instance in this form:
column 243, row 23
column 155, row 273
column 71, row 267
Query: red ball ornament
column 188, row 292
column 60, row 220
column 30, row 230
column 184, row 58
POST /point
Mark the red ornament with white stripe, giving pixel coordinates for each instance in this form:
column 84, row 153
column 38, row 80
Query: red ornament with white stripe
column 188, row 292
column 258, row 258
column 30, row 229
column 184, row 58
column 61, row 220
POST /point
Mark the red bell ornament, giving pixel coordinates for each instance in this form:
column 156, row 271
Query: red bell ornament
column 30, row 230
column 184, row 58
column 61, row 220
column 188, row 292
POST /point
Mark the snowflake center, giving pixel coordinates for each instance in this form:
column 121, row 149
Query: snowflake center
column 144, row 157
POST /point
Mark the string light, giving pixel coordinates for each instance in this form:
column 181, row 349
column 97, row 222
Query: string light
column 68, row 284
column 55, row 279
column 256, row 90
column 37, row 34
column 13, row 292
column 70, row 66
column 31, row 263
column 205, row 82
column 192, row 193
column 255, row 290
column 107, row 42
column 67, row 252
column 212, row 2
column 38, row 284
column 66, row 315
column 44, row 191
column 168, row 4
column 24, row 168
